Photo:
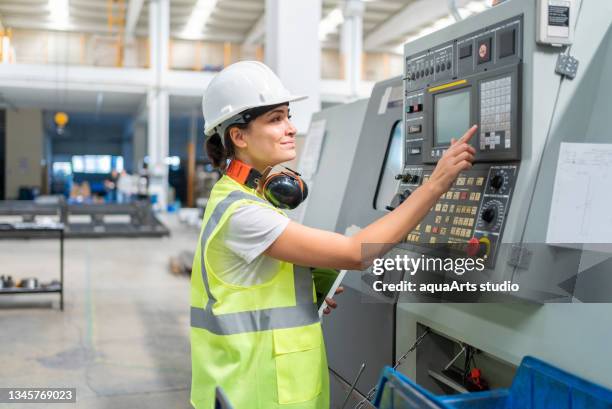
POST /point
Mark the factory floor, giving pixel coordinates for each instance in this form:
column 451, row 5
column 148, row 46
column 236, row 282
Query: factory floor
column 123, row 338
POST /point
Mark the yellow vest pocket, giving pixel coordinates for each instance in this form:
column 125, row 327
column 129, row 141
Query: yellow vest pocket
column 298, row 357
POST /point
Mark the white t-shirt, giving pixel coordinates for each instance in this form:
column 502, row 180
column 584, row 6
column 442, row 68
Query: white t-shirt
column 249, row 231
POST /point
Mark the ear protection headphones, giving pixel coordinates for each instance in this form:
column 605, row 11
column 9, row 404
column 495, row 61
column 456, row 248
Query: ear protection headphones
column 285, row 190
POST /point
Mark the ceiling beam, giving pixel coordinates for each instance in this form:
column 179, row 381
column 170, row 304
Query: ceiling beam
column 133, row 12
column 414, row 15
column 257, row 33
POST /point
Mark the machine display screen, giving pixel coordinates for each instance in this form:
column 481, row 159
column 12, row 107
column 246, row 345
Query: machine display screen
column 451, row 116
column 394, row 162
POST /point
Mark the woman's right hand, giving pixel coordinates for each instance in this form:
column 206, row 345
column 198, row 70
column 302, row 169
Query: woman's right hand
column 457, row 158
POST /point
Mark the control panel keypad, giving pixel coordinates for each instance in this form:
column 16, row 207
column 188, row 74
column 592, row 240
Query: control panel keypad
column 453, row 218
column 495, row 114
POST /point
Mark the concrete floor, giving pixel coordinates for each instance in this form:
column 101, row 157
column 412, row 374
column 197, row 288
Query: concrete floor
column 123, row 338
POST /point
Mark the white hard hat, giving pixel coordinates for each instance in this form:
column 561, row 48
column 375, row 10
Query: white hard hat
column 239, row 87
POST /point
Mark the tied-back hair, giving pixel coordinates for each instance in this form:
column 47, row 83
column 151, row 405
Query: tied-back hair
column 219, row 154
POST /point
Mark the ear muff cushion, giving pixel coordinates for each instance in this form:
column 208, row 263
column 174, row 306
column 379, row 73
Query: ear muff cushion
column 283, row 190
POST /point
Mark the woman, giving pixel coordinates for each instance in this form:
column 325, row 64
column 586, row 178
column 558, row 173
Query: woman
column 255, row 329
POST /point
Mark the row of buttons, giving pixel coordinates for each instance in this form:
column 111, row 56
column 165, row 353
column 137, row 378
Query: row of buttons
column 427, row 71
column 463, row 221
column 437, row 152
column 412, row 237
column 458, row 231
column 450, row 208
column 461, row 196
column 462, row 181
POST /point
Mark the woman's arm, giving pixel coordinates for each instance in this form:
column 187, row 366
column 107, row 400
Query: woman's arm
column 307, row 246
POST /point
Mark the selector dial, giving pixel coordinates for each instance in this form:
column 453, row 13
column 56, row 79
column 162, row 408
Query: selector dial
column 491, row 216
column 500, row 181
column 497, row 181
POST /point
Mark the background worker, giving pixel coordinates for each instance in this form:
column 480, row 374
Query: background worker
column 255, row 328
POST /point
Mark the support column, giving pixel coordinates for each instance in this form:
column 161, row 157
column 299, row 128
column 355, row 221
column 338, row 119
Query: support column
column 351, row 43
column 158, row 101
column 294, row 53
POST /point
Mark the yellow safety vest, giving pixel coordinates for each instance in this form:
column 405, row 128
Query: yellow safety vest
column 263, row 343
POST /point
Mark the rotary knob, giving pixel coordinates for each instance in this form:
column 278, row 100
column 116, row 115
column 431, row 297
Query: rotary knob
column 489, row 214
column 497, row 181
column 398, row 199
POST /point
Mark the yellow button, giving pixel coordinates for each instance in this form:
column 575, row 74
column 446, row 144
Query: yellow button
column 449, row 195
column 443, row 230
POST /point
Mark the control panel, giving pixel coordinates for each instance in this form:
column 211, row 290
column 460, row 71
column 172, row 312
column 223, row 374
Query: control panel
column 474, row 79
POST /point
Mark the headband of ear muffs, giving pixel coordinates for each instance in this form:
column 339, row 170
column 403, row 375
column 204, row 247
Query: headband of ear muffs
column 284, row 190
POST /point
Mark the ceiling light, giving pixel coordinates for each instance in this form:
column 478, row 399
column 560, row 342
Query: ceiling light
column 330, row 23
column 197, row 20
column 59, row 13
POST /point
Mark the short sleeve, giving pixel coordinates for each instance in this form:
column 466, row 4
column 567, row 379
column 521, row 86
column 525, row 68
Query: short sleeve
column 251, row 229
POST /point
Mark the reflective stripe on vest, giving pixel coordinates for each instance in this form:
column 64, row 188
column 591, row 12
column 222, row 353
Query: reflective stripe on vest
column 303, row 313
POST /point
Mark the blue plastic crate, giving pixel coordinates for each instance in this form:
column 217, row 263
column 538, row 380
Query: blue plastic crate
column 537, row 385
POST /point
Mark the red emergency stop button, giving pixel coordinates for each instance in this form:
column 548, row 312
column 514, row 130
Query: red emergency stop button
column 473, row 247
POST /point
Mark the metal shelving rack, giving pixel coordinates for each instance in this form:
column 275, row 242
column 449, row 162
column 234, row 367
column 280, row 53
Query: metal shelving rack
column 37, row 230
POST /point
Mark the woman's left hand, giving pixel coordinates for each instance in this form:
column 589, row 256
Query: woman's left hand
column 331, row 304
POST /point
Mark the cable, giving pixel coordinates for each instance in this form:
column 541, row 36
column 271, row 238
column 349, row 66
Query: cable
column 371, row 393
column 546, row 140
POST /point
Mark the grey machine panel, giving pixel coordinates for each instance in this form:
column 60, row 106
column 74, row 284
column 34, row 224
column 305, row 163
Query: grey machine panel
column 342, row 126
column 517, row 150
column 353, row 331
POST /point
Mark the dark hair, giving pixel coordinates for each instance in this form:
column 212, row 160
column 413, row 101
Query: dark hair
column 219, row 154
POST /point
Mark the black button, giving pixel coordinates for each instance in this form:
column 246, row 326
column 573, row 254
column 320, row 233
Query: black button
column 420, row 106
column 414, row 129
column 465, row 51
column 413, row 76
column 422, row 73
column 418, row 75
column 438, row 68
column 506, row 44
column 448, row 65
column 442, row 66
column 483, row 49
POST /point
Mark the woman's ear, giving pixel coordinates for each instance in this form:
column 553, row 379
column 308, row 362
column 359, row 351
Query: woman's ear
column 237, row 136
